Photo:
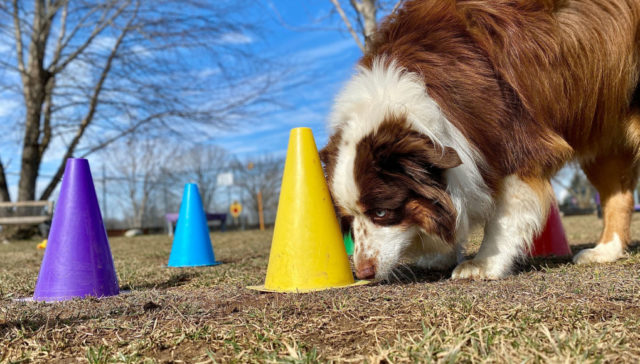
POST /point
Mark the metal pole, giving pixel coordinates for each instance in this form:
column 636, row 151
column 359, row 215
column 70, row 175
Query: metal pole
column 104, row 192
column 260, row 212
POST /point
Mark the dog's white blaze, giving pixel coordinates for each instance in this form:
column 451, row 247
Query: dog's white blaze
column 519, row 216
column 602, row 253
column 385, row 243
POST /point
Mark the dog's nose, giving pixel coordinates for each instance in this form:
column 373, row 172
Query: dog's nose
column 366, row 271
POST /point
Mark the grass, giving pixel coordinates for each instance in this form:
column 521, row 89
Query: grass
column 551, row 311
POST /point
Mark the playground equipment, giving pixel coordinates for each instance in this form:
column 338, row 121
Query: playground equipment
column 191, row 243
column 552, row 240
column 307, row 251
column 172, row 218
column 77, row 261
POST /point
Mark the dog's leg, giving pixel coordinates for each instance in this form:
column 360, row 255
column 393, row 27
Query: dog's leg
column 521, row 210
column 615, row 178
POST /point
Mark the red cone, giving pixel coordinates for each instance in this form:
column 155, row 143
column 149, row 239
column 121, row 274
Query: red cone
column 552, row 240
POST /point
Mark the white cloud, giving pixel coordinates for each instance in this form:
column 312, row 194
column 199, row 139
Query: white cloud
column 326, row 50
column 8, row 106
column 103, row 43
column 235, row 38
column 6, row 48
column 208, row 72
column 141, row 51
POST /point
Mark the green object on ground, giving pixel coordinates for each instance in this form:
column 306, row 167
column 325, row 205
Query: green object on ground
column 348, row 243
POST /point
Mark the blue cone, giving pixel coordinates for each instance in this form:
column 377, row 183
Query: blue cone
column 191, row 242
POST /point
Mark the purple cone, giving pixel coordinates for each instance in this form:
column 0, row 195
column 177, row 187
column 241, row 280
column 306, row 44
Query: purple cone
column 77, row 261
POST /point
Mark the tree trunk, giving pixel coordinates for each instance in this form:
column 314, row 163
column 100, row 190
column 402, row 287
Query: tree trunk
column 368, row 11
column 30, row 156
column 34, row 86
column 4, row 190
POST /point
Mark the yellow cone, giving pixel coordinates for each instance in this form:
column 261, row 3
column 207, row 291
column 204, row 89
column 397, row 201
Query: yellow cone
column 307, row 251
column 43, row 244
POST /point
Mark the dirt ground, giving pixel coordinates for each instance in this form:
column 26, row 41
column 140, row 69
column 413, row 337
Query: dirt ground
column 551, row 311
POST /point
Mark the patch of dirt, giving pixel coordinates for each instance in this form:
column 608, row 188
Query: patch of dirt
column 551, row 310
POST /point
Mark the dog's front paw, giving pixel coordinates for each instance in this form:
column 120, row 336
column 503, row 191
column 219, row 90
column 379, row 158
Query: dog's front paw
column 596, row 255
column 475, row 269
column 602, row 253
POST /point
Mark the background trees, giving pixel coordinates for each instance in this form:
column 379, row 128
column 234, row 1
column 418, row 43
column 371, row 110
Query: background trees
column 92, row 72
column 360, row 17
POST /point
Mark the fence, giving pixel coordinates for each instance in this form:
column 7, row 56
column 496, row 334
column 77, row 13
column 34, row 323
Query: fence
column 141, row 198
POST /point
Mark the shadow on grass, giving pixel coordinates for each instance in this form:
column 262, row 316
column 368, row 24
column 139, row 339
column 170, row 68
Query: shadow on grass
column 542, row 263
column 175, row 280
column 633, row 248
column 412, row 274
column 38, row 321
column 408, row 274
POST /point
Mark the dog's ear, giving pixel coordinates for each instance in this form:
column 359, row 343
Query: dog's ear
column 324, row 154
column 415, row 155
column 423, row 156
column 329, row 154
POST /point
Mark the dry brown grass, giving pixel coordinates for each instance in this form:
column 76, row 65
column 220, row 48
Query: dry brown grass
column 551, row 311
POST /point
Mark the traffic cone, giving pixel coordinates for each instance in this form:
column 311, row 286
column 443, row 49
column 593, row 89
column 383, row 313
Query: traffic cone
column 42, row 245
column 348, row 243
column 552, row 240
column 191, row 242
column 307, row 251
column 77, row 261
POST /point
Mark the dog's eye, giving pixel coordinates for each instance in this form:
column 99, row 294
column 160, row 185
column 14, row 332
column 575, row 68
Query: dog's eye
column 381, row 213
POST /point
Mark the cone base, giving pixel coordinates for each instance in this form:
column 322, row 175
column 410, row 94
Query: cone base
column 194, row 265
column 262, row 288
column 66, row 298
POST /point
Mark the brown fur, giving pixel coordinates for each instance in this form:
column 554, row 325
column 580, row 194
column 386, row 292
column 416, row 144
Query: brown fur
column 616, row 194
column 530, row 83
column 402, row 171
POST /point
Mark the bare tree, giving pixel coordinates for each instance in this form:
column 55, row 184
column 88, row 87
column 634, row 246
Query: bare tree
column 581, row 193
column 138, row 168
column 362, row 20
column 201, row 165
column 263, row 175
column 89, row 72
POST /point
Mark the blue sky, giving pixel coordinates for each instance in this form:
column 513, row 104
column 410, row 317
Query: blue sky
column 296, row 35
column 299, row 35
column 319, row 53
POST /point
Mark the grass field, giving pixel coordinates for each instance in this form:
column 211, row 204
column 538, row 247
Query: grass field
column 551, row 311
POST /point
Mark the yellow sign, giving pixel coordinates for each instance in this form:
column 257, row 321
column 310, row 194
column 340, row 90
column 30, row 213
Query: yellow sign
column 235, row 209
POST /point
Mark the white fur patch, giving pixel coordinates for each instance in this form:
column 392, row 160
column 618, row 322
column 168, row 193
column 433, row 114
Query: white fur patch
column 519, row 216
column 383, row 243
column 602, row 253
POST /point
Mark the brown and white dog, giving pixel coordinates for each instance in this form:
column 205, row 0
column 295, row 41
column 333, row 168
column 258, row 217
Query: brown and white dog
column 461, row 112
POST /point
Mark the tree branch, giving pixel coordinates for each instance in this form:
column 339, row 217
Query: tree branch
column 86, row 121
column 348, row 24
column 19, row 43
column 366, row 16
column 55, row 68
column 396, row 6
column 124, row 133
column 63, row 29
column 48, row 106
